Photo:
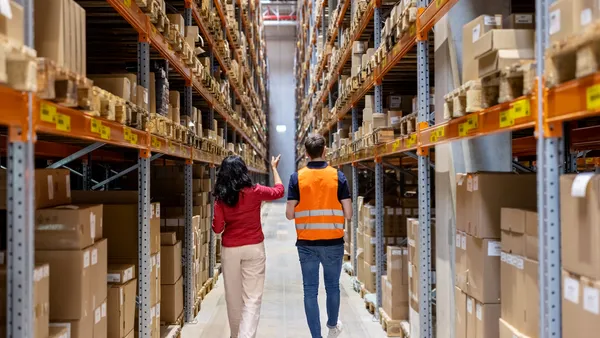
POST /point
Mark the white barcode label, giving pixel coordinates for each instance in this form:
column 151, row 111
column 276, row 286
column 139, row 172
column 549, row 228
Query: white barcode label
column 373, row 268
column 494, row 248
column 470, row 184
column 463, row 242
column 121, row 296
column 103, row 310
column 475, row 183
column 97, row 315
column 94, row 256
column 113, row 278
column 458, row 240
column 571, row 290
column 50, row 187
column 92, row 225
column 5, row 8
column 491, row 20
column 478, row 311
column 580, row 183
column 585, row 17
column 554, row 22
column 476, row 33
column 86, row 259
column 523, row 18
column 470, row 305
column 397, row 252
column 591, row 297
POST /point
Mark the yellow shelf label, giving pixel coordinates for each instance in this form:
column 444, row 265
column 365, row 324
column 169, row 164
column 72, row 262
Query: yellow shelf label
column 48, row 112
column 63, row 122
column 133, row 139
column 396, row 145
column 521, row 108
column 593, row 97
column 105, row 132
column 472, row 122
column 412, row 30
column 589, row 160
column 462, row 130
column 506, row 118
column 439, row 3
column 127, row 3
column 95, row 126
column 411, row 141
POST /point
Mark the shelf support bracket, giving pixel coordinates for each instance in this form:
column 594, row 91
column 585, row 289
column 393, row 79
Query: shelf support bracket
column 124, row 172
column 76, row 155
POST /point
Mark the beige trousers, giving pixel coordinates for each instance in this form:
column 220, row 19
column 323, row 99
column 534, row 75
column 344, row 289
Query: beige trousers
column 244, row 278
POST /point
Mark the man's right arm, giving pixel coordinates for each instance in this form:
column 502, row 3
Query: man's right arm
column 293, row 197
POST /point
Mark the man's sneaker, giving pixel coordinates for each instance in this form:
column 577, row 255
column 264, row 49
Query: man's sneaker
column 335, row 332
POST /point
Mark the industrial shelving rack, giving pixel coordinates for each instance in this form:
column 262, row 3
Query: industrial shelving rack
column 545, row 110
column 34, row 126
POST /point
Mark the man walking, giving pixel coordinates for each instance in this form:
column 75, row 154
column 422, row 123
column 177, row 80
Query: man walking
column 319, row 200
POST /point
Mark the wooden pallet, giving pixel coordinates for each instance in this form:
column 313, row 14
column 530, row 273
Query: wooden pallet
column 139, row 117
column 363, row 291
column 408, row 124
column 391, row 327
column 383, row 135
column 463, row 100
column 17, row 65
column 62, row 86
column 170, row 331
column 178, row 322
column 506, row 85
column 370, row 307
column 575, row 57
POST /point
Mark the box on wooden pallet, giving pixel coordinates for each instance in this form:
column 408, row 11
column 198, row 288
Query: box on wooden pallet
column 562, row 20
column 580, row 305
column 80, row 226
column 171, row 259
column 172, row 301
column 52, row 188
column 121, row 306
column 519, row 21
column 472, row 31
column 117, row 85
column 482, row 319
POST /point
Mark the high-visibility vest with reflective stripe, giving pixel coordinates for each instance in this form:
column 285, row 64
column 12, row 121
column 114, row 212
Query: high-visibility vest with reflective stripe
column 319, row 214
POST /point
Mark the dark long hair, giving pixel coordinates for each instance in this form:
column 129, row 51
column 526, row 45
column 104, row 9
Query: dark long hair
column 232, row 177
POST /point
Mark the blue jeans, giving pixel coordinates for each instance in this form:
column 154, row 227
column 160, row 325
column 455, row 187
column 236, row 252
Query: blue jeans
column 331, row 257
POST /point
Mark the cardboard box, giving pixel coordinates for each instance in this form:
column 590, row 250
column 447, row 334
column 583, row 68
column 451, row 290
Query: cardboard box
column 141, row 97
column 57, row 332
column 580, row 305
column 461, row 313
column 120, row 218
column 512, row 289
column 14, row 28
column 83, row 328
column 483, row 269
column 171, row 269
column 562, row 23
column 482, row 319
column 369, row 243
column 174, row 99
column 483, row 195
column 70, row 283
column 379, row 120
column 532, row 299
column 513, row 230
column 99, row 268
column 395, row 299
column 394, row 117
column 397, row 265
column 121, row 308
column 519, row 21
column 531, row 235
column 504, row 39
column 172, row 301
column 177, row 19
column 584, row 13
column 579, row 201
column 118, row 85
column 472, row 31
column 461, row 260
column 369, row 276
column 120, row 273
column 500, row 59
column 52, row 188
column 507, row 331
column 67, row 227
column 168, row 238
column 101, row 321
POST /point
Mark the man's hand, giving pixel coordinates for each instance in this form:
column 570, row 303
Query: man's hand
column 275, row 161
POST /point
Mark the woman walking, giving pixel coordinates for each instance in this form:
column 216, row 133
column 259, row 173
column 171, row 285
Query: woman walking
column 237, row 216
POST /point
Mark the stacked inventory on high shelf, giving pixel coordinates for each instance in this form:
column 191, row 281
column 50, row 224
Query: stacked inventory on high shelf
column 347, row 63
column 94, row 92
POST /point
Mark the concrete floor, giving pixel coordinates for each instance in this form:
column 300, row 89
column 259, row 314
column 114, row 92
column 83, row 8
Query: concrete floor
column 282, row 313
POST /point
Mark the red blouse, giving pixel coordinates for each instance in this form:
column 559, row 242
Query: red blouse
column 241, row 225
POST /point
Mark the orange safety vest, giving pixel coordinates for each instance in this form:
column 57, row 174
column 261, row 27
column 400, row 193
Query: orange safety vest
column 319, row 214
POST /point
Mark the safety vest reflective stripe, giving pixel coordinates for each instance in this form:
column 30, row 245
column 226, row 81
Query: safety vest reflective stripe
column 323, row 212
column 323, row 226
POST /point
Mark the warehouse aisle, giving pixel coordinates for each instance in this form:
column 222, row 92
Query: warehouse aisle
column 283, row 310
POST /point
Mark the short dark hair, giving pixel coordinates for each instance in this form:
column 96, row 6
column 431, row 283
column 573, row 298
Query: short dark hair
column 315, row 145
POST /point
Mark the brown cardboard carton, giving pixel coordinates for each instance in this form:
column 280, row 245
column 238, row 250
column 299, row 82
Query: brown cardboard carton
column 117, row 85
column 120, row 273
column 395, row 299
column 580, row 306
column 370, row 247
column 499, row 59
column 519, row 21
column 584, row 13
column 50, row 27
column 461, row 260
column 513, row 242
column 369, row 276
column 99, row 268
column 562, row 23
column 531, row 235
column 504, row 39
column 155, row 277
column 507, row 331
column 532, row 299
column 52, row 188
column 472, row 32
column 512, row 289
column 57, row 332
column 168, row 238
column 121, row 308
column 463, row 201
column 579, row 201
column 83, row 328
column 131, row 334
column 141, row 97
column 486, row 194
column 70, row 283
column 513, row 220
column 67, row 227
column 172, row 301
column 100, row 321
column 41, row 300
column 171, row 269
column 14, row 28
column 174, row 99
column 483, row 265
column 482, row 320
column 397, row 265
column 461, row 313
column 177, row 19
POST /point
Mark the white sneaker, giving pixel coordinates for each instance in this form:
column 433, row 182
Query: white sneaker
column 335, row 332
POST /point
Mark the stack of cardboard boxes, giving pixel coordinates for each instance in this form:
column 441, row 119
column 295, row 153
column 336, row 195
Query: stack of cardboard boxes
column 171, row 278
column 395, row 285
column 120, row 215
column 414, row 269
column 122, row 291
column 580, row 217
column 480, row 198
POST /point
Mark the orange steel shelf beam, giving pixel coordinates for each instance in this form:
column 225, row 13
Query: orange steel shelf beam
column 13, row 110
column 573, row 100
column 434, row 12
